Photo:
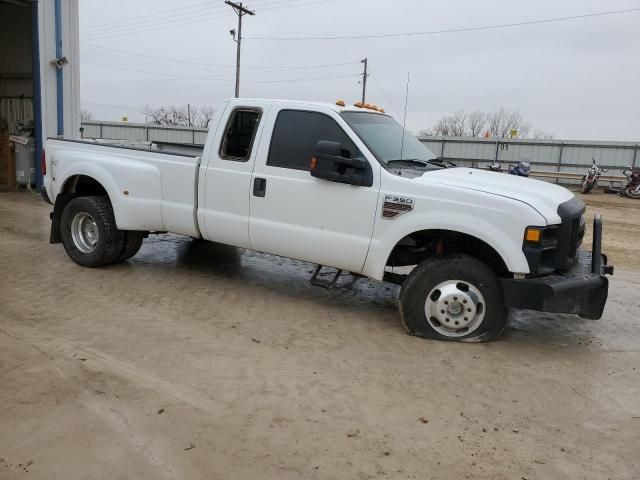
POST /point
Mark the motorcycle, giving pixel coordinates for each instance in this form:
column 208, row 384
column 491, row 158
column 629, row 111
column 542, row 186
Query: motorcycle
column 590, row 180
column 522, row 169
column 632, row 188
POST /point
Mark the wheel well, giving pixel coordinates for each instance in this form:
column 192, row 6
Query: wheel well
column 83, row 185
column 423, row 244
column 75, row 186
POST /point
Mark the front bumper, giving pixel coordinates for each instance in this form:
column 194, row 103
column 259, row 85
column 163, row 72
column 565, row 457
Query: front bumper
column 581, row 290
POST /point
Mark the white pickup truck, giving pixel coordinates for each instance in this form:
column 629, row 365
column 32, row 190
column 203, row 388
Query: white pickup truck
column 343, row 187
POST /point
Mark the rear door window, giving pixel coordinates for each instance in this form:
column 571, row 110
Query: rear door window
column 240, row 134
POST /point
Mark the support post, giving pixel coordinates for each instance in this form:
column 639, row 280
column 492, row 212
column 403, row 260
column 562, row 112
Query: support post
column 560, row 159
column 59, row 76
column 37, row 87
column 364, row 80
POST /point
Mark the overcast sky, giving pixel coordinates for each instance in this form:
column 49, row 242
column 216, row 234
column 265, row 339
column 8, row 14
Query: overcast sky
column 576, row 79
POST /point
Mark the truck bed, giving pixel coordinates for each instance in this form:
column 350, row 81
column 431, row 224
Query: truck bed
column 151, row 190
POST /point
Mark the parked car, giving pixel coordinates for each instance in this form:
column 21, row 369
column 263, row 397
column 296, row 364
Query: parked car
column 343, row 187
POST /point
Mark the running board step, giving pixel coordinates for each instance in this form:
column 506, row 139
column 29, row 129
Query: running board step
column 316, row 282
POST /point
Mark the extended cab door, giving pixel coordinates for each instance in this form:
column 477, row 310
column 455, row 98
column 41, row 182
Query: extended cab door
column 225, row 179
column 296, row 215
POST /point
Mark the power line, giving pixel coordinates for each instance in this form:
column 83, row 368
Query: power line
column 175, row 75
column 291, row 80
column 192, row 77
column 187, row 19
column 298, row 5
column 375, row 79
column 147, row 16
column 204, row 64
column 152, row 28
column 152, row 19
column 454, row 30
column 197, row 77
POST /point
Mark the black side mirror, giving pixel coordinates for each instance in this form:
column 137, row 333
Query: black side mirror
column 332, row 162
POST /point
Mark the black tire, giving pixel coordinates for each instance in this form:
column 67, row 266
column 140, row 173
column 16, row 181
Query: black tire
column 631, row 192
column 132, row 243
column 488, row 322
column 110, row 240
column 585, row 186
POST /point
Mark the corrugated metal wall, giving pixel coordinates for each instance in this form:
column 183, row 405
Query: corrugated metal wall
column 569, row 156
column 142, row 132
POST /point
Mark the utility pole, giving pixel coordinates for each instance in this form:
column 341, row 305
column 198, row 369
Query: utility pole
column 364, row 80
column 240, row 11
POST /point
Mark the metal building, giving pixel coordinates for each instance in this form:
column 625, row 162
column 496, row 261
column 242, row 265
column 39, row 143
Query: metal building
column 39, row 74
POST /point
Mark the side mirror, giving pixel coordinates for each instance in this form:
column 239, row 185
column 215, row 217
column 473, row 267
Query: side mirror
column 331, row 162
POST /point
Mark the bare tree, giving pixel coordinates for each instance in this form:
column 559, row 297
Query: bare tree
column 86, row 115
column 180, row 116
column 451, row 125
column 476, row 122
column 539, row 134
column 502, row 123
column 427, row 132
column 202, row 117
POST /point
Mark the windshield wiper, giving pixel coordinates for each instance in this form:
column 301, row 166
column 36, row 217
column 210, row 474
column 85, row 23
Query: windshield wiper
column 422, row 163
column 444, row 160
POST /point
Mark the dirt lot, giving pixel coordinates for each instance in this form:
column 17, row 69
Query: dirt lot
column 206, row 362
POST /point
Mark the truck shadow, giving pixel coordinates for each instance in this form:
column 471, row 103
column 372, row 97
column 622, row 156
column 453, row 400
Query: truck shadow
column 287, row 278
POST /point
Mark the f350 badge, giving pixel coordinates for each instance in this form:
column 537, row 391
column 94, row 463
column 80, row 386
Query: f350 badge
column 395, row 206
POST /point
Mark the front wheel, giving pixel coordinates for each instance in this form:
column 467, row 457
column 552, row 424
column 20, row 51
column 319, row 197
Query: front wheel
column 586, row 185
column 453, row 298
column 632, row 192
column 89, row 233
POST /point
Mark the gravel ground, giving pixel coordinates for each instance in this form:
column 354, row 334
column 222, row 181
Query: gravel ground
column 200, row 361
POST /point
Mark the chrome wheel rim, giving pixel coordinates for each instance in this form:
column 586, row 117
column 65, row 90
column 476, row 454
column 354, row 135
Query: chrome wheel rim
column 455, row 308
column 84, row 232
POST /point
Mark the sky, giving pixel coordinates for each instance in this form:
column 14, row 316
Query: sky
column 577, row 79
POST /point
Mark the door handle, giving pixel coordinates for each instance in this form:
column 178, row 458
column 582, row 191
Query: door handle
column 259, row 187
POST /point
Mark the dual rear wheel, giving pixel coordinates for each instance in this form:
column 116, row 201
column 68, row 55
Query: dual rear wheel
column 90, row 235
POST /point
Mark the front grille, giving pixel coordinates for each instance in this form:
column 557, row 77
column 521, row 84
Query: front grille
column 571, row 233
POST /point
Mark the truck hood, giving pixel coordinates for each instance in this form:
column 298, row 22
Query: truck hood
column 544, row 197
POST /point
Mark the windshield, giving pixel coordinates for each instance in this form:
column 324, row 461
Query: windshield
column 384, row 136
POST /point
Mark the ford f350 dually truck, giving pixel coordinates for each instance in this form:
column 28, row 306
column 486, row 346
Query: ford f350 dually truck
column 343, row 187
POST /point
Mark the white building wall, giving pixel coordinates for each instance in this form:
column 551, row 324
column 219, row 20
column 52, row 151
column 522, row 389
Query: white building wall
column 71, row 71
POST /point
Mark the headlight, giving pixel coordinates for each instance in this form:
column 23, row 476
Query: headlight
column 541, row 236
column 539, row 245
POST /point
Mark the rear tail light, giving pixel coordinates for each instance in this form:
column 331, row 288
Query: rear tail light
column 43, row 163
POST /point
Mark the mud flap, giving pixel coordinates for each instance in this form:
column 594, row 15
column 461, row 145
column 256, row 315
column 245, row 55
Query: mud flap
column 61, row 201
